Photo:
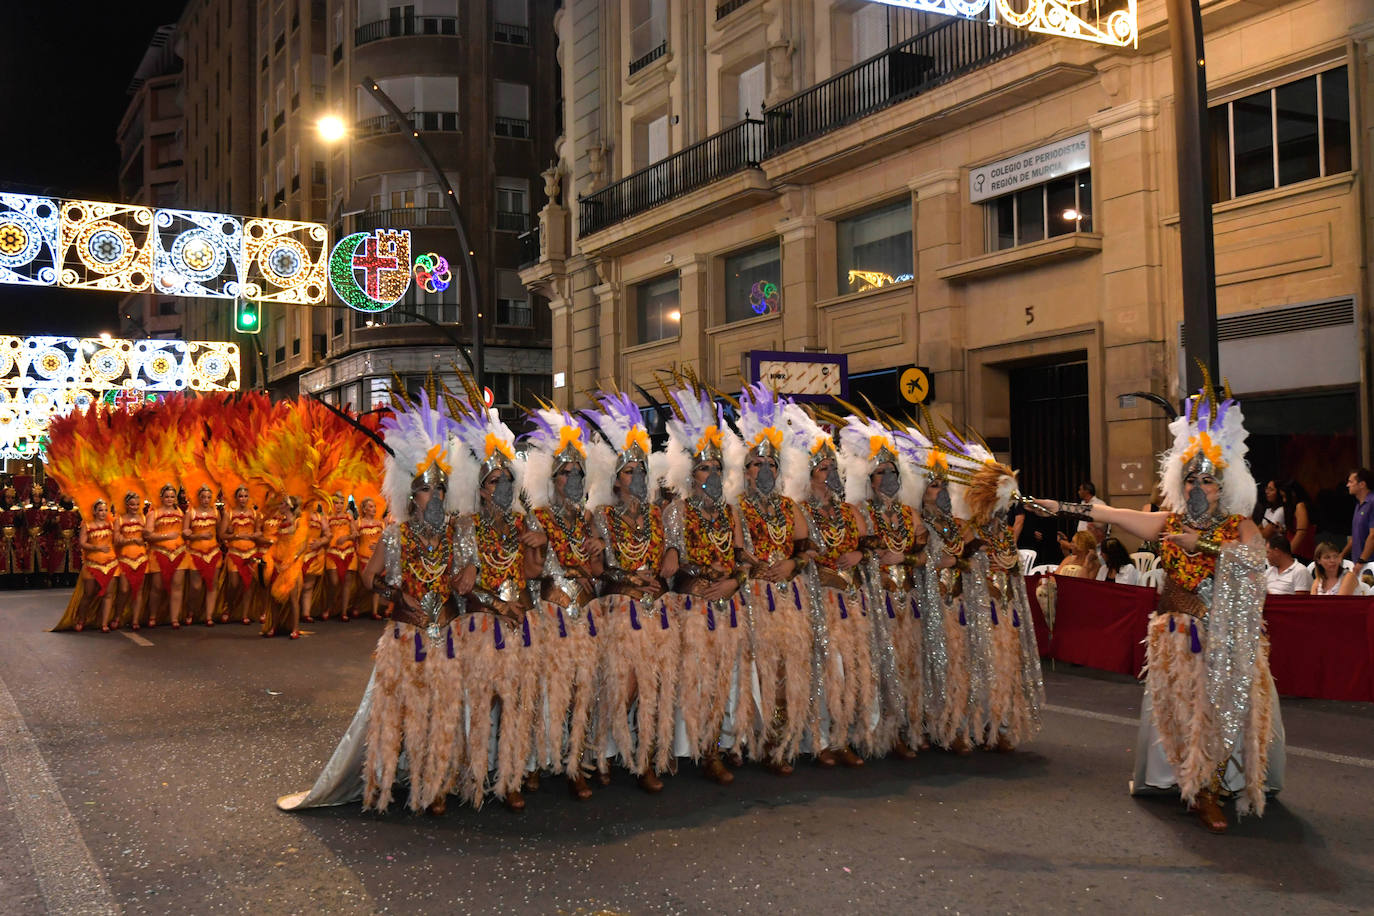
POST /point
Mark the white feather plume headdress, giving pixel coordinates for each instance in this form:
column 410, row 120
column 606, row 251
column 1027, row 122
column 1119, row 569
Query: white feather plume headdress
column 979, row 485
column 811, row 439
column 1210, row 437
column 556, row 438
column 763, row 429
column 697, row 433
column 865, row 444
column 419, row 435
column 483, row 444
column 627, row 440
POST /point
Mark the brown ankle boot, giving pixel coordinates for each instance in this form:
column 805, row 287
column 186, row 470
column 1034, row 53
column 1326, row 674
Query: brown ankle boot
column 902, row 751
column 778, row 767
column 826, row 758
column 847, row 757
column 531, row 782
column 1208, row 808
column 438, row 806
column 961, row 746
column 715, row 771
column 577, row 785
column 649, row 782
column 514, row 801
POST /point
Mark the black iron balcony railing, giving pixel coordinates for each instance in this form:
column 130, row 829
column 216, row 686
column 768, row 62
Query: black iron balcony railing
column 404, row 218
column 402, row 26
column 511, row 34
column 517, row 128
column 420, row 120
column 905, row 70
column 736, row 148
column 728, row 7
column 639, row 63
column 512, row 221
column 529, row 247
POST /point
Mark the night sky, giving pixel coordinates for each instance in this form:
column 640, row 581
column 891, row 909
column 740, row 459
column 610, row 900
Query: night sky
column 67, row 67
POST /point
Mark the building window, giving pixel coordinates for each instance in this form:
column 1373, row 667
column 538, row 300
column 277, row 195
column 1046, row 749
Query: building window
column 510, row 22
column 1282, row 135
column 512, row 204
column 873, row 249
column 752, row 282
column 166, row 307
column 500, row 385
column 1032, row 214
column 512, row 301
column 512, row 109
column 648, row 32
column 279, row 340
column 656, row 309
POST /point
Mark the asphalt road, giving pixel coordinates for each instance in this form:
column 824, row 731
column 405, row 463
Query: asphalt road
column 141, row 778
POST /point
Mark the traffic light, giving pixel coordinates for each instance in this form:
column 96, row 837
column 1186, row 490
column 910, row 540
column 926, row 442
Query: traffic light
column 247, row 316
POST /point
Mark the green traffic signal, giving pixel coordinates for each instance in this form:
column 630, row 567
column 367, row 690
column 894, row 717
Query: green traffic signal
column 246, row 317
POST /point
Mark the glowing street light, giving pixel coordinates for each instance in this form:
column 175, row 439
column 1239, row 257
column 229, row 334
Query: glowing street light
column 331, row 128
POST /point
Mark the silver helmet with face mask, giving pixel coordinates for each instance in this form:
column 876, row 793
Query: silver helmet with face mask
column 701, row 445
column 555, row 450
column 1209, row 446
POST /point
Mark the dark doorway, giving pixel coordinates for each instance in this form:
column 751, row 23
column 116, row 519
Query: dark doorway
column 1312, row 439
column 1049, row 427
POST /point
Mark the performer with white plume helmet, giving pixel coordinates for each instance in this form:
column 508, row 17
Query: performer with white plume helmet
column 842, row 630
column 638, row 637
column 886, row 486
column 409, row 720
column 501, row 654
column 1007, row 688
column 704, row 468
column 774, row 535
column 1210, row 720
column 555, row 475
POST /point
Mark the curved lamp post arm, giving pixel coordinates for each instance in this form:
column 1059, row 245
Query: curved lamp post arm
column 451, row 202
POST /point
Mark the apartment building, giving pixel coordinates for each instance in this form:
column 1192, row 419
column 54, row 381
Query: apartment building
column 849, row 177
column 151, row 140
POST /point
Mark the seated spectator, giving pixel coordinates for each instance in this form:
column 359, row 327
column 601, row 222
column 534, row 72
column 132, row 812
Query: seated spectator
column 1087, row 493
column 1285, row 576
column 1117, row 565
column 1082, row 560
column 1327, row 581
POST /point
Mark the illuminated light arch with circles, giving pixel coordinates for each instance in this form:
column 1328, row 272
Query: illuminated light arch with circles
column 1106, row 22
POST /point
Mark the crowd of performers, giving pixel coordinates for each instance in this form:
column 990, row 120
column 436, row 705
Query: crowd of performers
column 38, row 537
column 789, row 584
column 266, row 535
column 784, row 584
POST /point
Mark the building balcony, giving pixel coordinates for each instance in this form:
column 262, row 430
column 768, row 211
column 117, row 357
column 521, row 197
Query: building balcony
column 529, row 248
column 511, row 221
column 728, row 7
column 917, row 65
column 404, row 218
column 404, row 27
column 644, row 60
column 738, row 147
column 419, row 120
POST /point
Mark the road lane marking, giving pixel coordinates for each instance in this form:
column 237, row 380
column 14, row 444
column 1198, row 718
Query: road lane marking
column 1291, row 750
column 138, row 640
column 68, row 876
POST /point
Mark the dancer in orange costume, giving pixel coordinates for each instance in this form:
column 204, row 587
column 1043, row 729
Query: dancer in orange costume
column 163, row 533
column 99, row 564
column 341, row 553
column 312, row 559
column 201, row 532
column 83, row 471
column 238, row 530
column 370, row 529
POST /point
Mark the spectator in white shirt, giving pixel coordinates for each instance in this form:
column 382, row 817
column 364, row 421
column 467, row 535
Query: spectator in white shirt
column 1087, row 493
column 1117, row 565
column 1285, row 575
column 1273, row 521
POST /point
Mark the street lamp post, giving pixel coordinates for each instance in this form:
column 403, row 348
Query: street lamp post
column 332, row 129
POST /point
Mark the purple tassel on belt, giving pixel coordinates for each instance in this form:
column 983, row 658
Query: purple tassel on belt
column 1171, row 623
column 796, row 594
column 962, row 621
column 634, row 615
column 450, row 643
column 687, row 603
column 769, row 589
column 500, row 639
column 396, row 631
column 992, row 605
column 525, row 628
column 710, row 618
column 1196, row 644
column 591, row 624
column 915, row 610
column 890, row 614
column 844, row 611
column 733, row 622
column 1015, row 617
column 419, row 647
column 472, row 624
column 663, row 617
column 562, row 627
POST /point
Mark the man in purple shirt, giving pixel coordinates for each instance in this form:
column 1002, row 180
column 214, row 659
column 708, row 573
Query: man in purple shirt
column 1361, row 546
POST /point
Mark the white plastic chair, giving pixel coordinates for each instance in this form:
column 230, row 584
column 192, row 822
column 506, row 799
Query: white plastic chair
column 1027, row 561
column 1043, row 570
column 1153, row 578
column 1144, row 561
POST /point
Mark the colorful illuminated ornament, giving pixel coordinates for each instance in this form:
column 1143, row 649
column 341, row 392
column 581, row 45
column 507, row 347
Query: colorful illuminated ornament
column 1108, row 22
column 370, row 271
column 764, row 297
column 284, row 261
column 432, row 273
column 28, row 239
column 198, row 254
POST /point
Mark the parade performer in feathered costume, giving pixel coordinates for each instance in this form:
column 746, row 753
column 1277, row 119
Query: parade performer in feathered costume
column 84, row 471
column 704, row 467
column 159, row 462
column 774, row 535
column 555, row 488
column 843, row 631
column 239, row 524
column 409, row 723
column 1210, row 720
column 638, row 637
column 201, row 523
column 501, row 650
column 1006, row 688
column 886, row 487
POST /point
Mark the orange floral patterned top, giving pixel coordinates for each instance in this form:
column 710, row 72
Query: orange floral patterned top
column 1189, row 570
column 772, row 537
column 839, row 536
column 709, row 541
